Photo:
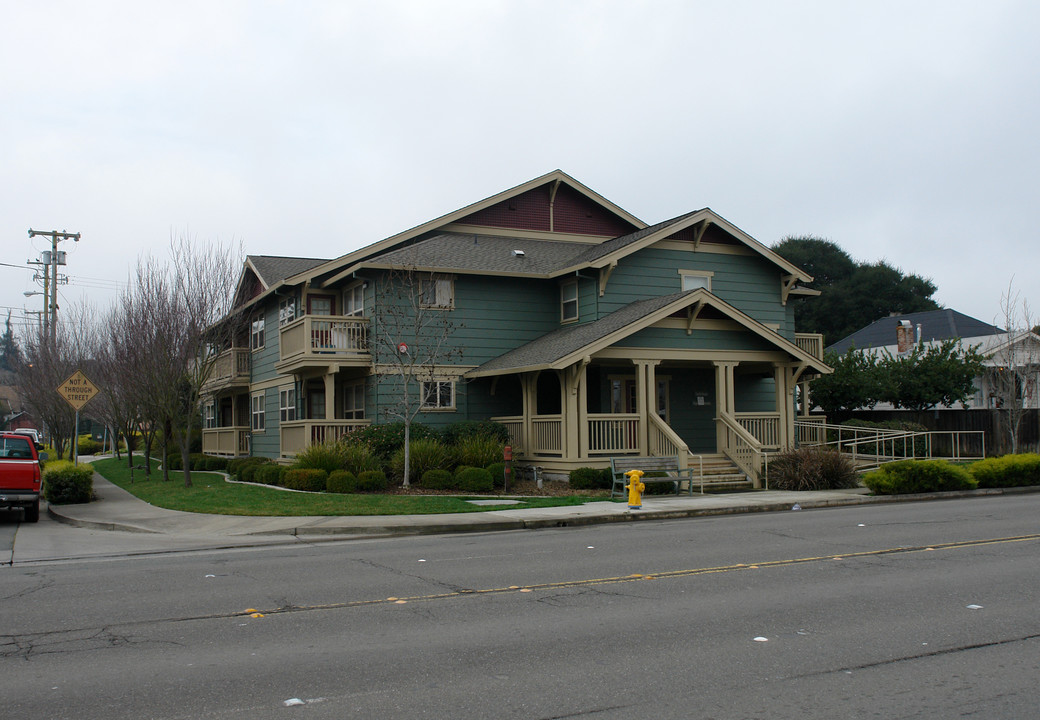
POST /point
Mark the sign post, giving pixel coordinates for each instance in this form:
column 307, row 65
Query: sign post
column 77, row 391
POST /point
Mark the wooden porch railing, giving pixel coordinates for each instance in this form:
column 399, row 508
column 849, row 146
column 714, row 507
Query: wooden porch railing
column 227, row 441
column 664, row 442
column 613, row 433
column 515, row 426
column 299, row 434
column 764, row 427
column 742, row 448
column 547, row 435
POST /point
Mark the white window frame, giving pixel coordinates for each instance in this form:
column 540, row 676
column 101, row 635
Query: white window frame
column 352, row 394
column 258, row 411
column 354, row 294
column 442, row 289
column 287, row 404
column 286, row 311
column 209, row 415
column 694, row 279
column 436, row 389
column 257, row 333
column 566, row 301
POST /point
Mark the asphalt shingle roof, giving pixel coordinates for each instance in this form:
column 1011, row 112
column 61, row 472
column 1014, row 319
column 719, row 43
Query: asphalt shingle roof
column 558, row 344
column 935, row 325
column 273, row 269
column 484, row 253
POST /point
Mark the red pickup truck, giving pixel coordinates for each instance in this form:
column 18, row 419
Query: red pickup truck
column 20, row 476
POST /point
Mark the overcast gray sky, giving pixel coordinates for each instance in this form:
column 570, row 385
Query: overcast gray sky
column 904, row 131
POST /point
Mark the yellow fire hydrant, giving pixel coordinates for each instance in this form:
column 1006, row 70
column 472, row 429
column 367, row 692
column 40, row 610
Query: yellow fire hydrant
column 635, row 489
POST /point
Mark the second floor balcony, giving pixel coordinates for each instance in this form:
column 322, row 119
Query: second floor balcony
column 230, row 370
column 314, row 340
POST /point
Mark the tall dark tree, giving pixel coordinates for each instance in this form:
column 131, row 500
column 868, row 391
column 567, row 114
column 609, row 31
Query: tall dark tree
column 853, row 295
column 10, row 351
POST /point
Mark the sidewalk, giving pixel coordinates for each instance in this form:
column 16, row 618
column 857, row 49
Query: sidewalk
column 117, row 510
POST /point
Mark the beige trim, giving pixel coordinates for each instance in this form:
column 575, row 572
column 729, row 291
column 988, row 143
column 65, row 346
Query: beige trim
column 621, row 352
column 525, row 234
column 707, row 248
column 698, row 323
column 445, row 371
column 685, row 273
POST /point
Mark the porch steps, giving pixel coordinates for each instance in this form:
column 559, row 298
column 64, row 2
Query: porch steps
column 720, row 474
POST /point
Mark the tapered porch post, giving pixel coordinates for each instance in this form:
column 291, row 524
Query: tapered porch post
column 529, row 396
column 645, row 384
column 784, row 399
column 572, row 382
column 330, row 394
column 725, row 398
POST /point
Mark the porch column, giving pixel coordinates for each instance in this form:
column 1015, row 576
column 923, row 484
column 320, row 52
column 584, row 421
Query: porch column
column 782, row 375
column 330, row 394
column 645, row 384
column 529, row 396
column 572, row 380
column 725, row 397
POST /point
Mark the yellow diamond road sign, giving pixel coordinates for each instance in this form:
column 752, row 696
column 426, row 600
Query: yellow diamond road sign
column 77, row 390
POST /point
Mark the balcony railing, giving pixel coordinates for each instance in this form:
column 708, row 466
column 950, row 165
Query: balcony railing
column 227, row 441
column 231, row 368
column 299, row 434
column 811, row 343
column 323, row 338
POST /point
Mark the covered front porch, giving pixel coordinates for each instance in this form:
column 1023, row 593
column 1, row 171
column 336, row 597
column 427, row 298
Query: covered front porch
column 326, row 403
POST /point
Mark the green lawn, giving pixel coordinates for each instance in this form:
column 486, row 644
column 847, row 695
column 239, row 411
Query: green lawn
column 211, row 494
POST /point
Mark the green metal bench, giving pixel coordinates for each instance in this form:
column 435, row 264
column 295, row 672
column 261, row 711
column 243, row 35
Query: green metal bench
column 655, row 469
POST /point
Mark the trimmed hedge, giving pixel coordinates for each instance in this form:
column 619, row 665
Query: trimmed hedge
column 244, row 469
column 437, row 480
column 586, row 478
column 67, row 484
column 341, row 481
column 918, row 476
column 88, row 446
column 372, row 481
column 308, row 479
column 475, row 480
column 812, row 469
column 498, row 474
column 1007, row 471
column 268, row 474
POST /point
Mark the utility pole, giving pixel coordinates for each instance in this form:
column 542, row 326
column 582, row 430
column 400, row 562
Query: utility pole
column 53, row 259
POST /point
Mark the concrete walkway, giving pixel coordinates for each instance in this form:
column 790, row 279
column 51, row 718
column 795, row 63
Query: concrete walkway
column 116, row 509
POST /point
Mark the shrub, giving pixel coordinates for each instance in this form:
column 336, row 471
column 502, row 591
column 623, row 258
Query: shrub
column 88, row 446
column 386, row 439
column 309, row 479
column 341, row 481
column 458, row 431
column 268, row 474
column 174, row 462
column 1007, row 471
column 497, row 470
column 812, row 469
column 918, row 476
column 66, row 484
column 475, row 480
column 213, row 463
column 426, row 454
column 586, row 478
column 437, row 480
column 245, row 468
column 372, row 481
column 359, row 457
column 477, row 450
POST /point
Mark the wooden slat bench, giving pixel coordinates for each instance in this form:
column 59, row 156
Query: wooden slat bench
column 669, row 465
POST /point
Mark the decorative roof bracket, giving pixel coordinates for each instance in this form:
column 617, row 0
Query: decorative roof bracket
column 787, row 283
column 691, row 314
column 604, row 275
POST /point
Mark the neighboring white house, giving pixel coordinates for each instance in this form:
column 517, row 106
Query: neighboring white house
column 897, row 334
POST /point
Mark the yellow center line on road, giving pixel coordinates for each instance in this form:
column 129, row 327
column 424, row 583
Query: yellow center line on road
column 637, row 577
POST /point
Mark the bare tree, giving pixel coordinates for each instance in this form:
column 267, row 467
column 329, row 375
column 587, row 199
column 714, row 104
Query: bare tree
column 1014, row 366
column 412, row 337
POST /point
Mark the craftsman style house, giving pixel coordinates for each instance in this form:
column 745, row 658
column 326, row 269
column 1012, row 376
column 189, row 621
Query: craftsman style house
column 588, row 333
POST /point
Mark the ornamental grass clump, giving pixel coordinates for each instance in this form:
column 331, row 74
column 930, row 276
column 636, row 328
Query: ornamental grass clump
column 478, row 450
column 918, row 476
column 426, row 454
column 812, row 469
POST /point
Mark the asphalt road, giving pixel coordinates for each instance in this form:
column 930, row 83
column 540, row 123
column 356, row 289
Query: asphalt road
column 881, row 611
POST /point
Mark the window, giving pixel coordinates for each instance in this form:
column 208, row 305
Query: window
column 569, row 301
column 435, row 292
column 694, row 279
column 286, row 311
column 354, row 301
column 354, row 402
column 257, row 409
column 438, row 395
column 256, row 334
column 209, row 415
column 320, row 305
column 287, row 405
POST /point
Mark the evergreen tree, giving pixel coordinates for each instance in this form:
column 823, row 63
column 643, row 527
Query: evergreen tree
column 10, row 352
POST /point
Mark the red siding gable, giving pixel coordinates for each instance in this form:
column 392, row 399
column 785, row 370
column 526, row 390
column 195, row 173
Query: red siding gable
column 572, row 213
